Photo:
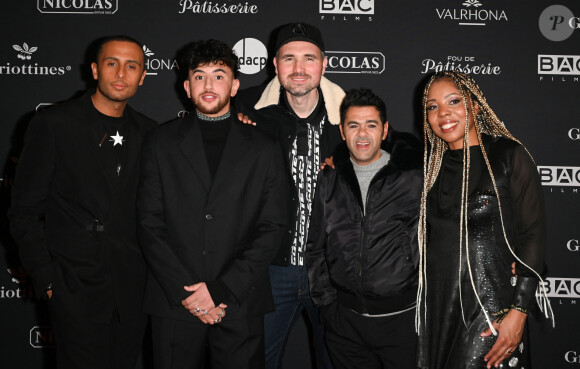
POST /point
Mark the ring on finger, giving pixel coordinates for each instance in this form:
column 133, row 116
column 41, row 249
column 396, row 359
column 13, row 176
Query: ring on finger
column 222, row 313
column 204, row 311
column 509, row 351
column 197, row 310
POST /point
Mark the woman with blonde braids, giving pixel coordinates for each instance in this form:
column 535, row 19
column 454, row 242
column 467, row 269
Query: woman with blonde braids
column 481, row 210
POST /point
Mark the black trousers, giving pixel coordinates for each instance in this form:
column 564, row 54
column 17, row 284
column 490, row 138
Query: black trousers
column 232, row 344
column 84, row 343
column 356, row 341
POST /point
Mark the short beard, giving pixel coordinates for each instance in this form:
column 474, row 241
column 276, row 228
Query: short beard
column 299, row 93
column 202, row 109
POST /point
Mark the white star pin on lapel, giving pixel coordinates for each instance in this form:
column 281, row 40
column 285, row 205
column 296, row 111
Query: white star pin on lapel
column 117, row 139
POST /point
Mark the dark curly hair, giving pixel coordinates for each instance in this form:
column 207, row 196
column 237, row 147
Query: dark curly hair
column 362, row 97
column 205, row 52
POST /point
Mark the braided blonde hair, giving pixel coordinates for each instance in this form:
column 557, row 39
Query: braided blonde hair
column 485, row 121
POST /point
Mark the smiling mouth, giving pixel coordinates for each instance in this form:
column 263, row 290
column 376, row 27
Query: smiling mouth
column 447, row 126
column 362, row 145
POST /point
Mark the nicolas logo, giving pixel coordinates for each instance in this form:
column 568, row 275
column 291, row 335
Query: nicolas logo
column 473, row 13
column 347, row 7
column 361, row 62
column 41, row 337
column 252, row 55
column 77, row 6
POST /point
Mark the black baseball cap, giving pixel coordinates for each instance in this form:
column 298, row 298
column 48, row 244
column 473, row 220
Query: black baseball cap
column 299, row 32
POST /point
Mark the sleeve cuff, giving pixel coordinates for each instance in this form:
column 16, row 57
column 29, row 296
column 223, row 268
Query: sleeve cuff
column 219, row 292
column 524, row 292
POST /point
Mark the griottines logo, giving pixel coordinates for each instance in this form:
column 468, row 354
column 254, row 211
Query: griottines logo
column 465, row 64
column 574, row 134
column 559, row 67
column 77, row 6
column 567, row 179
column 472, row 14
column 557, row 23
column 252, row 55
column 21, row 290
column 154, row 65
column 572, row 357
column 215, row 7
column 41, row 337
column 573, row 245
column 330, row 9
column 25, row 53
column 361, row 62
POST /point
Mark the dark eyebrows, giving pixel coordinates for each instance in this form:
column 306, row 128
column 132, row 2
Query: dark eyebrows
column 117, row 59
column 213, row 71
column 446, row 96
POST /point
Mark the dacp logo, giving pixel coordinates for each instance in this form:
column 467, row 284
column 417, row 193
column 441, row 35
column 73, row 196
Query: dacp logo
column 41, row 337
column 252, row 55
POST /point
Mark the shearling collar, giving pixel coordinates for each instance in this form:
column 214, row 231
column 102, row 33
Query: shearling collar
column 331, row 92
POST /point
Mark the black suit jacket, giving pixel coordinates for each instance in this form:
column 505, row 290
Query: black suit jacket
column 223, row 232
column 60, row 188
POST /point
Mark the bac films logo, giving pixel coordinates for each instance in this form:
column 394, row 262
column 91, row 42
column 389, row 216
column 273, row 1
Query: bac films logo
column 344, row 10
column 372, row 62
column 77, row 6
column 471, row 14
column 26, row 53
column 559, row 68
column 557, row 23
column 560, row 179
column 465, row 64
column 562, row 290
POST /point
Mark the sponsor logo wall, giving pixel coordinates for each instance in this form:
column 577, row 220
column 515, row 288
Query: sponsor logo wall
column 524, row 54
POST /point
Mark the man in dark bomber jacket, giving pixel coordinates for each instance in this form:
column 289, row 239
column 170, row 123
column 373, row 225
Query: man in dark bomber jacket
column 362, row 253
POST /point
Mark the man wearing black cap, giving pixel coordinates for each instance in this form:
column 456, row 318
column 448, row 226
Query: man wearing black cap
column 300, row 108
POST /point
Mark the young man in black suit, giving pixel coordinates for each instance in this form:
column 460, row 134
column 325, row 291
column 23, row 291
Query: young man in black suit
column 212, row 214
column 73, row 213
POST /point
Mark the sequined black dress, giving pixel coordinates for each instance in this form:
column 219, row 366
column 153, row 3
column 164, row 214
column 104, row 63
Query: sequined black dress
column 445, row 340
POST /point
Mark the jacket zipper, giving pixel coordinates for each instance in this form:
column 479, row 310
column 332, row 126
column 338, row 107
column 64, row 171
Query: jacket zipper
column 360, row 272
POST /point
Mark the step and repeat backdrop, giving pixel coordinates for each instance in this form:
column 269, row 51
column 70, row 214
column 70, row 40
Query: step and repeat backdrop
column 524, row 54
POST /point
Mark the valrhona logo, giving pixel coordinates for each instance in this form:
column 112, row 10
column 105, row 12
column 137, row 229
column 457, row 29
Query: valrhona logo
column 471, row 14
column 78, row 6
column 26, row 53
column 155, row 65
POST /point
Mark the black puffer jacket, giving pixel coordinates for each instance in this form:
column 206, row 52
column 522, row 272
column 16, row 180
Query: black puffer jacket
column 367, row 262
